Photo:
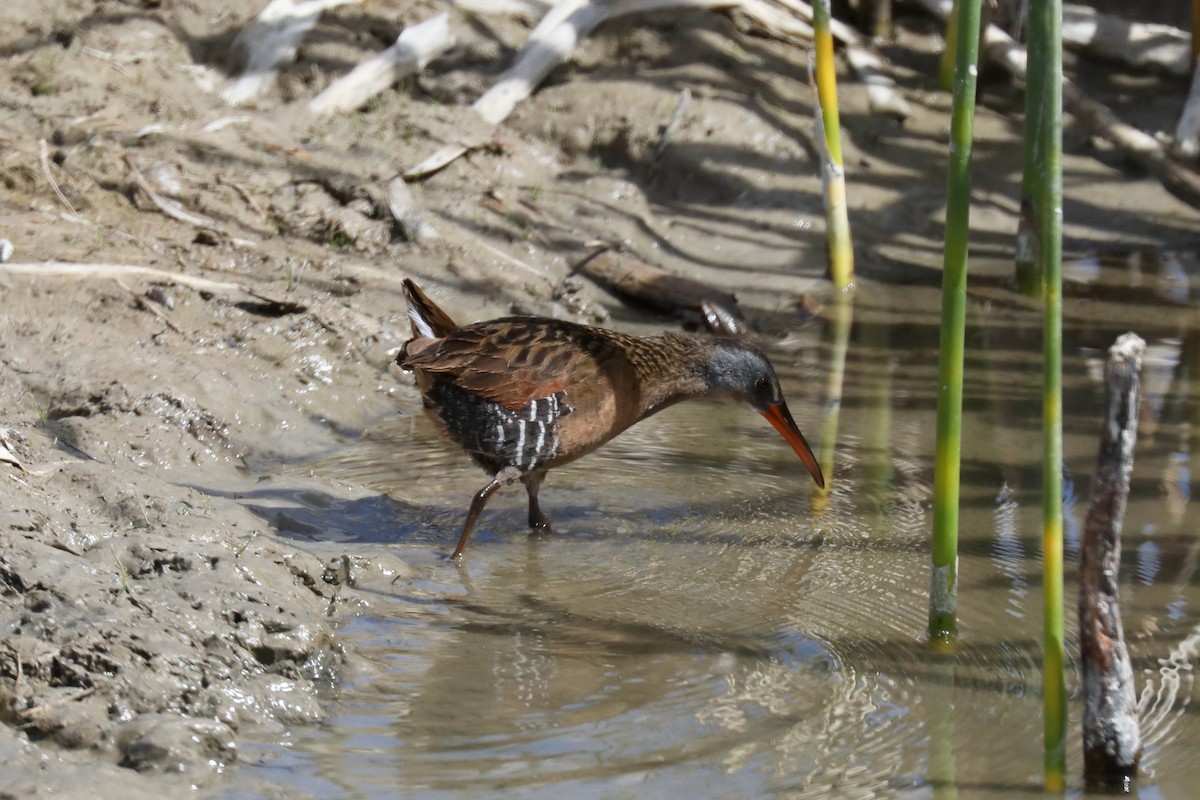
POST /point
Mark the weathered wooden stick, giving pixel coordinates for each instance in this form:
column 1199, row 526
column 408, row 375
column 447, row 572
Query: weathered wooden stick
column 404, row 209
column 1139, row 44
column 269, row 40
column 1112, row 740
column 64, row 269
column 634, row 279
column 416, row 46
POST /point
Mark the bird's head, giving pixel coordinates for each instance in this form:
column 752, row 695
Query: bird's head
column 735, row 368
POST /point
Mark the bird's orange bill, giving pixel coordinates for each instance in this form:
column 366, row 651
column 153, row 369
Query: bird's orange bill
column 781, row 418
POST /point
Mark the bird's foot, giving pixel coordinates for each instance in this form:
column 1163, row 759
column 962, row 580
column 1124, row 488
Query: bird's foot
column 539, row 522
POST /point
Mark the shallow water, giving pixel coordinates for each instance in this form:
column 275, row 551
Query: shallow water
column 700, row 624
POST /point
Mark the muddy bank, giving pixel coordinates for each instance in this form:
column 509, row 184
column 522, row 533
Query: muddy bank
column 162, row 592
column 148, row 614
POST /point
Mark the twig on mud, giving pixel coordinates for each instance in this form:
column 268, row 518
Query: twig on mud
column 172, row 208
column 224, row 122
column 117, row 59
column 416, row 46
column 28, row 714
column 122, row 572
column 6, row 453
column 269, row 40
column 243, row 193
column 773, row 22
column 69, row 270
column 144, row 306
column 44, row 158
column 664, row 141
column 242, row 547
column 522, row 213
column 404, row 209
column 516, row 262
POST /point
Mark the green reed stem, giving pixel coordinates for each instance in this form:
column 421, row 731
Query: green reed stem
column 1029, row 232
column 946, row 64
column 1045, row 28
column 943, row 588
column 841, row 251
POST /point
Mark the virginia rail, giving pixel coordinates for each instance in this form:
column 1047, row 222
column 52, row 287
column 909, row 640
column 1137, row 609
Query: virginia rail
column 523, row 395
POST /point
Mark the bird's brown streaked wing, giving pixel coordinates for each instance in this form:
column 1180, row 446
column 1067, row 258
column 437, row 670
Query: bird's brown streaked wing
column 511, row 361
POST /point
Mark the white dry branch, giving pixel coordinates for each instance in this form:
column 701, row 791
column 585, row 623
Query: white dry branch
column 44, row 160
column 523, row 8
column 416, row 46
column 225, row 122
column 664, row 141
column 1187, row 133
column 554, row 40
column 270, row 40
column 404, row 209
column 172, row 208
column 551, row 43
column 1140, row 44
column 775, row 21
column 69, row 270
column 7, row 437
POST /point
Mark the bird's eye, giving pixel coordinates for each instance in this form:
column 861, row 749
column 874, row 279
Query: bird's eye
column 764, row 390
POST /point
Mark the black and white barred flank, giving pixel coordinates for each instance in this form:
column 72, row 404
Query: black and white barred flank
column 498, row 436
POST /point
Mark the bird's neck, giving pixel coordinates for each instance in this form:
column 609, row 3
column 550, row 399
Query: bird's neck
column 667, row 370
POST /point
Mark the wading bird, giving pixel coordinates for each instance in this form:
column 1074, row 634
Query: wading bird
column 523, row 395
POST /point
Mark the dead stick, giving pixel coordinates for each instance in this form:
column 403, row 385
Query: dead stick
column 144, row 305
column 44, row 159
column 30, row 713
column 81, row 271
column 634, row 279
column 1112, row 741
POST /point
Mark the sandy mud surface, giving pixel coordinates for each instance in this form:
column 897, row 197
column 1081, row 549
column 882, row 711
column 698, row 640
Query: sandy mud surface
column 151, row 609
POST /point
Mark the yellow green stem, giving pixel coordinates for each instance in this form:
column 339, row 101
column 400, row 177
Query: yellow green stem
column 1045, row 28
column 943, row 587
column 840, row 248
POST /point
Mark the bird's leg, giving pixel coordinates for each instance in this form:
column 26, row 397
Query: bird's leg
column 537, row 520
column 503, row 478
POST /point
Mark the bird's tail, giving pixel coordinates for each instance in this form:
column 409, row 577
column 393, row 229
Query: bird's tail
column 428, row 320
